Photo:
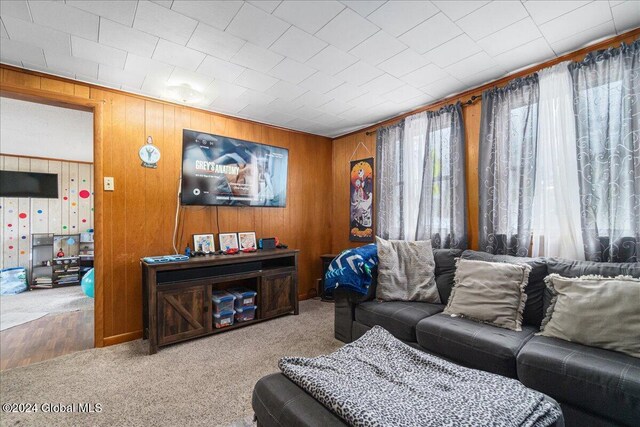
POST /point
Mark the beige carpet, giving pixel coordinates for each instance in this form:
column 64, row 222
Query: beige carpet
column 206, row 381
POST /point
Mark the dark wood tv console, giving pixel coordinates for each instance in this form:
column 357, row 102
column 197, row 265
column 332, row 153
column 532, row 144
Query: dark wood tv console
column 177, row 296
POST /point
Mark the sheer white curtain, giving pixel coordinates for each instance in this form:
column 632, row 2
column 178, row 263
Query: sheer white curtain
column 556, row 203
column 415, row 141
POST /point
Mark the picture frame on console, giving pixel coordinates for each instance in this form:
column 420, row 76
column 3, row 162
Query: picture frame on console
column 247, row 240
column 204, row 243
column 228, row 241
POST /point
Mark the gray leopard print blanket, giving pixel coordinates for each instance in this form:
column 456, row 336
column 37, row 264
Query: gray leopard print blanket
column 380, row 381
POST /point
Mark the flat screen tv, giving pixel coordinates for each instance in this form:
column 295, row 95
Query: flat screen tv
column 222, row 171
column 28, row 184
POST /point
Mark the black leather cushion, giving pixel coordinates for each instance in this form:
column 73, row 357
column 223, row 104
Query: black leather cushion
column 398, row 317
column 569, row 268
column 279, row 402
column 533, row 310
column 445, row 271
column 599, row 381
column 473, row 344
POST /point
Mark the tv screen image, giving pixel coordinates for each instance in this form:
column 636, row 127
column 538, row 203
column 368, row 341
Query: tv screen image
column 222, row 171
column 28, row 184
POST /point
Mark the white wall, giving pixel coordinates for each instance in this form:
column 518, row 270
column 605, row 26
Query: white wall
column 39, row 130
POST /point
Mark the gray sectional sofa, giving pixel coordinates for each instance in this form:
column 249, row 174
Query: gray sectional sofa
column 594, row 387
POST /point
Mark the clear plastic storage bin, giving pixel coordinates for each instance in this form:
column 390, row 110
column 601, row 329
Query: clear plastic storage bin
column 222, row 301
column 244, row 297
column 223, row 319
column 245, row 314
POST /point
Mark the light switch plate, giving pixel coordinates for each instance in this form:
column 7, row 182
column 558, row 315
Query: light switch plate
column 109, row 183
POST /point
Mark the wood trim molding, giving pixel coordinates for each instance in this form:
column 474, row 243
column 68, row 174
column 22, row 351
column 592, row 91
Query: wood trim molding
column 502, row 81
column 119, row 339
column 149, row 98
column 85, row 104
column 45, row 158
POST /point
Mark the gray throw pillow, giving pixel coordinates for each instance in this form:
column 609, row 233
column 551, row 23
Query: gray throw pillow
column 595, row 311
column 406, row 271
column 490, row 292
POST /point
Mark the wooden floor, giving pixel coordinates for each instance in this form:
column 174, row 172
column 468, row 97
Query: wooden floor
column 50, row 336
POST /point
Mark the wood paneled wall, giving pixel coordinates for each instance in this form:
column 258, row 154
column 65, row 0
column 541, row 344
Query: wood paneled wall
column 138, row 217
column 344, row 146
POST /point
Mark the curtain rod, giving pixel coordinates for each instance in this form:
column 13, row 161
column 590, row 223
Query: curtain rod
column 470, row 101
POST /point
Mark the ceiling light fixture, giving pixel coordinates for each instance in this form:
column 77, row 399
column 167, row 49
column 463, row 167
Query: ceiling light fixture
column 184, row 93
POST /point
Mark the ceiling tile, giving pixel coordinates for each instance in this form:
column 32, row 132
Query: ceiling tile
column 321, row 82
column 335, row 107
column 298, row 45
column 359, row 73
column 58, row 16
column 14, row 51
column 431, row 33
column 180, row 56
column 584, row 38
column 267, row 6
column 424, row 75
column 256, row 58
column 215, row 42
column 164, row 23
column 589, row 16
column 215, row 13
column 403, row 94
column 453, row 51
column 285, row 90
column 347, row 30
column 626, row 15
column 471, row 65
column 291, row 71
column 285, row 105
column 332, row 60
column 3, row 31
column 457, row 9
column 397, row 17
column 367, row 100
column 382, row 84
column 197, row 81
column 255, row 80
column 510, row 37
column 444, row 87
column 278, row 117
column 346, row 92
column 227, row 105
column 254, row 97
column 308, row 15
column 71, row 64
column 220, row 69
column 118, row 76
column 96, row 52
column 301, row 124
column 528, row 54
column 46, row 38
column 313, row 99
column 121, row 11
column 363, row 7
column 484, row 76
column 543, row 11
column 129, row 39
column 153, row 69
column 403, row 63
column 164, row 3
column 15, row 9
column 224, row 90
column 377, row 48
column 257, row 26
column 492, row 17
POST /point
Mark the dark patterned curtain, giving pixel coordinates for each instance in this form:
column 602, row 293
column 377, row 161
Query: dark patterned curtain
column 507, row 164
column 421, row 191
column 607, row 108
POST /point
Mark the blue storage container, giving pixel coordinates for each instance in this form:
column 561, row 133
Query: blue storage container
column 244, row 297
column 246, row 313
column 223, row 319
column 13, row 280
column 222, row 301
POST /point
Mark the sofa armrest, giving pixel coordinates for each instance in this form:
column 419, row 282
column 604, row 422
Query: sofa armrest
column 345, row 308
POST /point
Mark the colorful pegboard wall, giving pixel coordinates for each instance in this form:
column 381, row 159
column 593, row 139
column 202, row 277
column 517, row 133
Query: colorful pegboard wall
column 71, row 213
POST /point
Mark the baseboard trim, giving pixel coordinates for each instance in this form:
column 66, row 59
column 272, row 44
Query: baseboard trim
column 118, row 339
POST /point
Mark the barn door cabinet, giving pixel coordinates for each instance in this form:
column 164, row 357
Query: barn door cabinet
column 177, row 303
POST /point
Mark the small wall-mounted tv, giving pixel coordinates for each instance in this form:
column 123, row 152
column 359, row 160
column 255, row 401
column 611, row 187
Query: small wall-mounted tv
column 28, row 184
column 222, row 171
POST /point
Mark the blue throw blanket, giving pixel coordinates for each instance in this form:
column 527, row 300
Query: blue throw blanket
column 352, row 270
